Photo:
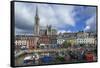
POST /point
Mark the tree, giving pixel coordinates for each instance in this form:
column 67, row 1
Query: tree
column 66, row 44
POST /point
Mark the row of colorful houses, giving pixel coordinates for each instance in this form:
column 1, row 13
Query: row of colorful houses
column 80, row 38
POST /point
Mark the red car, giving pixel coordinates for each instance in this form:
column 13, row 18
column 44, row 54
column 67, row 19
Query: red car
column 89, row 56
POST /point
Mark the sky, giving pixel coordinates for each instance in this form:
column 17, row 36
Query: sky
column 65, row 18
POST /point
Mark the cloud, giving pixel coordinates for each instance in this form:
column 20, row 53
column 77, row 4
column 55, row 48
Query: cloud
column 69, row 31
column 24, row 18
column 55, row 15
column 64, row 31
column 61, row 31
column 91, row 24
column 84, row 12
column 62, row 17
column 65, row 14
column 87, row 28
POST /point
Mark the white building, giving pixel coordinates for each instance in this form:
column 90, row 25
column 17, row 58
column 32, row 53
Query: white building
column 60, row 41
column 20, row 42
column 85, row 40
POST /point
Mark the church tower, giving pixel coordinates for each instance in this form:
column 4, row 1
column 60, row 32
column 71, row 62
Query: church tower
column 36, row 25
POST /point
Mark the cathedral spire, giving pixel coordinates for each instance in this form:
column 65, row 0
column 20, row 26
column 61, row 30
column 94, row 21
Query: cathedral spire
column 36, row 16
column 36, row 11
column 36, row 25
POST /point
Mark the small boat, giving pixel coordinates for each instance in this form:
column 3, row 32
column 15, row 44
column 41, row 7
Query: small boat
column 28, row 59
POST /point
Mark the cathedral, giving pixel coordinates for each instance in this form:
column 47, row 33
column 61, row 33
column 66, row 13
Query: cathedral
column 38, row 30
column 39, row 33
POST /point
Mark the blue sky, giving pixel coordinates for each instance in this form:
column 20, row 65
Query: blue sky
column 65, row 18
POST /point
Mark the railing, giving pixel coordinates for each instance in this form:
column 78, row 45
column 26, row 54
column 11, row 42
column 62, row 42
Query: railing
column 39, row 50
column 43, row 50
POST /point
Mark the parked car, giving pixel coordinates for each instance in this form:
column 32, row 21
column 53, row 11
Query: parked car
column 89, row 56
column 23, row 47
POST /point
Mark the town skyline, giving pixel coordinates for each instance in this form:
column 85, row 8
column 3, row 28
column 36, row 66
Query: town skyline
column 54, row 34
column 65, row 18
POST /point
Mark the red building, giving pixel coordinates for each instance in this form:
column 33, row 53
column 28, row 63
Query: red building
column 44, row 40
column 29, row 42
